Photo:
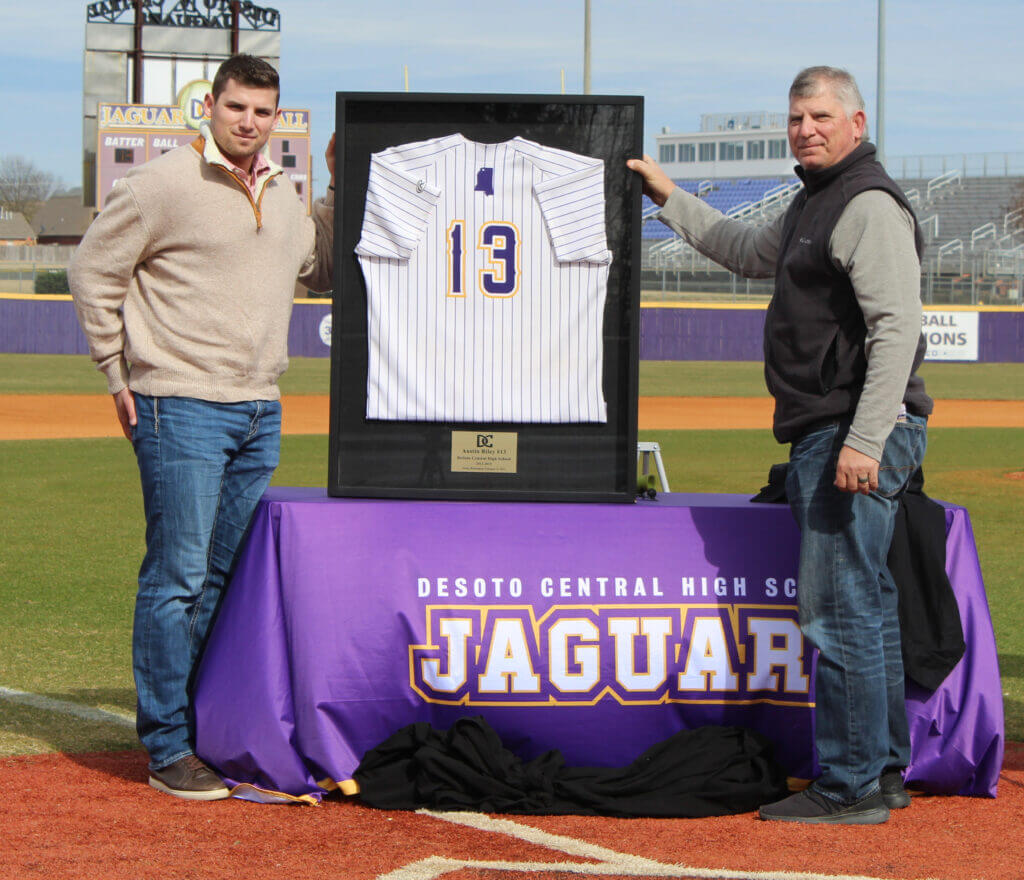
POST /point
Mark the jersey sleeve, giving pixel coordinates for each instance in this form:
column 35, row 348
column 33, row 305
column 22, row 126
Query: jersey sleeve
column 573, row 208
column 398, row 208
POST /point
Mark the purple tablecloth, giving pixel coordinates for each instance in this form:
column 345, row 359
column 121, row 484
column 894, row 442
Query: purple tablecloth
column 594, row 629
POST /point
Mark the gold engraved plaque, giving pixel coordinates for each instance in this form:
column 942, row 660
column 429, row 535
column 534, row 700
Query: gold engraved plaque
column 487, row 452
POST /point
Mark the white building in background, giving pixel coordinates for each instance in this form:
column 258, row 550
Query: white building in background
column 728, row 145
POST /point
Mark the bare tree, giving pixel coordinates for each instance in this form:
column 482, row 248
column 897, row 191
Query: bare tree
column 23, row 186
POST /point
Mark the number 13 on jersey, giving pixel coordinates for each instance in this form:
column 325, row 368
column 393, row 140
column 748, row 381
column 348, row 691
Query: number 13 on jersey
column 499, row 242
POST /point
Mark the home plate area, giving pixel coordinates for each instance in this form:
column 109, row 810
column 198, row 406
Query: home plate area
column 90, row 816
column 600, row 861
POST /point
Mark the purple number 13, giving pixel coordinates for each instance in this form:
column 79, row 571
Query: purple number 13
column 500, row 243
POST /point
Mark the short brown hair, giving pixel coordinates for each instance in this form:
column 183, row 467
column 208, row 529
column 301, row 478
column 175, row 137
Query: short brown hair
column 246, row 70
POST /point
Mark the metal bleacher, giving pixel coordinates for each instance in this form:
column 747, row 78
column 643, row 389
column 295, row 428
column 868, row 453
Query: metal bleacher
column 960, row 216
column 754, row 200
column 745, row 197
column 976, row 212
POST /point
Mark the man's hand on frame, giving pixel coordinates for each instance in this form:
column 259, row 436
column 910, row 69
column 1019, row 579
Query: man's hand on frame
column 329, row 156
column 657, row 185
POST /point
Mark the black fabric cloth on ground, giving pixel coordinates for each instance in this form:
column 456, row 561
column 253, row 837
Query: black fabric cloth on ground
column 709, row 771
column 930, row 626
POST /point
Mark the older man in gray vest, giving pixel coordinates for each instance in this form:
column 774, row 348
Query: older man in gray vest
column 842, row 342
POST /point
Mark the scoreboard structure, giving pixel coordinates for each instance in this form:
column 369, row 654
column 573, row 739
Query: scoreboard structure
column 148, row 52
column 130, row 134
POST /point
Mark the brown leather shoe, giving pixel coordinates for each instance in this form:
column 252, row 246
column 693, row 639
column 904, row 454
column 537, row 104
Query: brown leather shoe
column 189, row 778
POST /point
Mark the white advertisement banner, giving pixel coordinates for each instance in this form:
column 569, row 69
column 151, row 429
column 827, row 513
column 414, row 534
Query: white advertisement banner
column 951, row 336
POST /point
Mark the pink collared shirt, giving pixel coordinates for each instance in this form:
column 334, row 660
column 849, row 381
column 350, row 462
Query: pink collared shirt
column 260, row 166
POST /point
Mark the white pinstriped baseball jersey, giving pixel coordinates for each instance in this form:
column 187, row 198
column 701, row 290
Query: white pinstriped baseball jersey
column 486, row 269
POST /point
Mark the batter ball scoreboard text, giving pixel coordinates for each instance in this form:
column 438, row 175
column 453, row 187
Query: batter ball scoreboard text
column 130, row 134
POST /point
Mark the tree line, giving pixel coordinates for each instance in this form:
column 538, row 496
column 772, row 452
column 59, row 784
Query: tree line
column 24, row 187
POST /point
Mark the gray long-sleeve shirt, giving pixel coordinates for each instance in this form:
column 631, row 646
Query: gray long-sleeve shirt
column 873, row 242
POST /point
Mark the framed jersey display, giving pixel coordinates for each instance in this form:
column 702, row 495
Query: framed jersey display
column 486, row 300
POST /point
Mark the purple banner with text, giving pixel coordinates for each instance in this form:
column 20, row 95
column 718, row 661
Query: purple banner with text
column 598, row 630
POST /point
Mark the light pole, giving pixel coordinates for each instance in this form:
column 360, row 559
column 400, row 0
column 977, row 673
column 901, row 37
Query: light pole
column 880, row 121
column 586, row 47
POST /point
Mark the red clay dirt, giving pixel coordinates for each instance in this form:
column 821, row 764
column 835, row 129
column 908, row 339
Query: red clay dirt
column 92, row 816
column 44, row 417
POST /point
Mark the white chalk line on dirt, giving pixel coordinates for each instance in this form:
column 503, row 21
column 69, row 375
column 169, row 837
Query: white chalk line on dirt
column 605, row 862
column 65, row 707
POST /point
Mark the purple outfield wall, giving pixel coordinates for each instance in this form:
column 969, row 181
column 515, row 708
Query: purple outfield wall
column 702, row 333
column 40, row 324
column 47, row 325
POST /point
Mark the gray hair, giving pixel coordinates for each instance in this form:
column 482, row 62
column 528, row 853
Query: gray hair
column 811, row 80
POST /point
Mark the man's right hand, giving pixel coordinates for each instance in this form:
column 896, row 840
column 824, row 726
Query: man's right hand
column 124, row 403
column 329, row 157
column 657, row 184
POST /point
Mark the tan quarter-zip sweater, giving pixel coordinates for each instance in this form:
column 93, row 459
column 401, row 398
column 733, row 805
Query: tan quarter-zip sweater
column 184, row 283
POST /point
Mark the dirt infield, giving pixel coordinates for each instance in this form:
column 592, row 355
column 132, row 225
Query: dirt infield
column 92, row 816
column 47, row 417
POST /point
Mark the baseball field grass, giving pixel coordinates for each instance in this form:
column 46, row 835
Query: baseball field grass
column 72, row 530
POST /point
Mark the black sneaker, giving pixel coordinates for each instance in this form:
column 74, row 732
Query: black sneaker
column 189, row 778
column 809, row 806
column 893, row 792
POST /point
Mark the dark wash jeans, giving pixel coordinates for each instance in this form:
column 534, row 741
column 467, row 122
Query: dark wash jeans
column 204, row 466
column 848, row 606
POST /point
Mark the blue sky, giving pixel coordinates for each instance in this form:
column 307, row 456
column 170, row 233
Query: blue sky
column 955, row 70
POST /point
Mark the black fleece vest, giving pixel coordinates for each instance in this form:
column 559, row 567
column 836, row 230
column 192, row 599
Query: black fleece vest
column 814, row 331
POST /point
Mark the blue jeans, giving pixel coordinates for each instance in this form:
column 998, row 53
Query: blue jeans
column 848, row 606
column 204, row 467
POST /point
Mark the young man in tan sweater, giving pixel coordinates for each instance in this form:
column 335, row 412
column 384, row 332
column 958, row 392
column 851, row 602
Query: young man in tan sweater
column 184, row 286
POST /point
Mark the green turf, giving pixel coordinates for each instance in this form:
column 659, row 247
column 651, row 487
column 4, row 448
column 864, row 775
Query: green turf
column 71, row 520
column 66, row 586
column 702, row 378
column 74, row 374
column 49, row 374
column 974, row 381
column 746, row 379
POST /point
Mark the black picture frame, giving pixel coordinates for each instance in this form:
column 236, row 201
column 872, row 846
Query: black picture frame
column 555, row 462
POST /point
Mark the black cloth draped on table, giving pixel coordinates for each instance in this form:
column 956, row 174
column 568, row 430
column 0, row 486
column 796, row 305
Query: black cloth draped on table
column 930, row 626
